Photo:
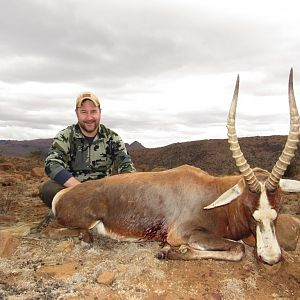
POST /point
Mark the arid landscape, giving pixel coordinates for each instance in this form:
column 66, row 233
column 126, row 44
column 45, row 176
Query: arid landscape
column 56, row 264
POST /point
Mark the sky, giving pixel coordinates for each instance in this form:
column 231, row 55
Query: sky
column 164, row 70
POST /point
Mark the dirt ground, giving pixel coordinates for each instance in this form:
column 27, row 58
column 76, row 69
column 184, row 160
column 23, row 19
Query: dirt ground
column 47, row 265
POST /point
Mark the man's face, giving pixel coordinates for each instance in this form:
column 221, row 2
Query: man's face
column 88, row 116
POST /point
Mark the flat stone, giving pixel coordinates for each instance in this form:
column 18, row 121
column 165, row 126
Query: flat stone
column 8, row 244
column 60, row 233
column 61, row 271
column 106, row 278
column 17, row 230
column 7, row 166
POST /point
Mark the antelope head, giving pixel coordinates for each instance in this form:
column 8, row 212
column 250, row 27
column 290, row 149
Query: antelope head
column 263, row 189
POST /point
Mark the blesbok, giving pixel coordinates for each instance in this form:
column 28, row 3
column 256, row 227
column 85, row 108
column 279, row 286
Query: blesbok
column 196, row 215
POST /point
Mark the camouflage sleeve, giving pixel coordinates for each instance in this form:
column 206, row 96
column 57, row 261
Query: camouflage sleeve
column 58, row 155
column 122, row 160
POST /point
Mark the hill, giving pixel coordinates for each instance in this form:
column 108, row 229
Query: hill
column 212, row 155
column 24, row 148
column 38, row 147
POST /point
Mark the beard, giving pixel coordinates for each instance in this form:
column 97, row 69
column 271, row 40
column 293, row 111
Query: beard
column 90, row 127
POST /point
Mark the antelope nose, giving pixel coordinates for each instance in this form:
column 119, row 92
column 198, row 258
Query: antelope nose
column 271, row 261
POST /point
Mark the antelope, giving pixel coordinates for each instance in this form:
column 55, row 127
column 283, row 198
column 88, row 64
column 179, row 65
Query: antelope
column 194, row 214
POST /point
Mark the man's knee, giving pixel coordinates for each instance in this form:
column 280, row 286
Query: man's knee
column 48, row 190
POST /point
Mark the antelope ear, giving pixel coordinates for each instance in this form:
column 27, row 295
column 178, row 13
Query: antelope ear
column 288, row 185
column 226, row 197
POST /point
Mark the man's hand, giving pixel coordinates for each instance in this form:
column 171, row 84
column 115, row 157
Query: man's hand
column 71, row 182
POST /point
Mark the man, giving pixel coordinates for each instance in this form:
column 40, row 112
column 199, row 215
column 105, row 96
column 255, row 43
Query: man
column 84, row 151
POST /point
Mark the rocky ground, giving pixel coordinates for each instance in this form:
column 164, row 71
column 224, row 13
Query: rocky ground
column 56, row 264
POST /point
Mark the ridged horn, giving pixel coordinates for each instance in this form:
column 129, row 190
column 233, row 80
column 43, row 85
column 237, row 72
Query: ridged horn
column 237, row 153
column 291, row 143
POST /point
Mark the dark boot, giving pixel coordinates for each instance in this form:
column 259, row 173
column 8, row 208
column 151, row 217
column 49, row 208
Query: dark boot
column 48, row 190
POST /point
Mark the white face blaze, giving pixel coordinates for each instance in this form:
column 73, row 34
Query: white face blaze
column 267, row 245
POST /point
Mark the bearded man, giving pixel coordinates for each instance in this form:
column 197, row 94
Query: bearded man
column 84, row 151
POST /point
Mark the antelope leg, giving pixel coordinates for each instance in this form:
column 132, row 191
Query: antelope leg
column 204, row 245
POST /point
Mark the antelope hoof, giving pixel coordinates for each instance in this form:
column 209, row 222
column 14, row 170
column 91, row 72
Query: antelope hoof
column 161, row 255
column 171, row 253
column 86, row 236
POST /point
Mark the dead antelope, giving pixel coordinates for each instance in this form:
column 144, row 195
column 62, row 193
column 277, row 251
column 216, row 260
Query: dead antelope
column 196, row 215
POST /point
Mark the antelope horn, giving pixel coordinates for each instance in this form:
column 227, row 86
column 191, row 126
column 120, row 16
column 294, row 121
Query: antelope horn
column 237, row 154
column 291, row 143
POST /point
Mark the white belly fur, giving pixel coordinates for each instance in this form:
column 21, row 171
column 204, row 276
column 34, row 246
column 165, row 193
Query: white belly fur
column 101, row 230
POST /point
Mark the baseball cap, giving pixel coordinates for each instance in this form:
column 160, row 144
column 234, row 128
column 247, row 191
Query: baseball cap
column 87, row 96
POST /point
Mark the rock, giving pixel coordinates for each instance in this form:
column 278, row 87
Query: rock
column 288, row 231
column 17, row 230
column 7, row 166
column 38, row 172
column 106, row 278
column 8, row 244
column 60, row 233
column 10, row 179
column 61, row 271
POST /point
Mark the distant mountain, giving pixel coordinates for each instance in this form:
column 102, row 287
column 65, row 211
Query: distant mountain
column 39, row 147
column 134, row 146
column 213, row 156
column 24, row 148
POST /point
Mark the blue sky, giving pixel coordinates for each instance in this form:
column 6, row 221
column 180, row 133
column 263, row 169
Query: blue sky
column 163, row 70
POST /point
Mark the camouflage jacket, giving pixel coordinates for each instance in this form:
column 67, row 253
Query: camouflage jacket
column 70, row 151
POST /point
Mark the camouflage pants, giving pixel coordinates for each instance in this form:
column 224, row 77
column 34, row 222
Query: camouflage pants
column 48, row 190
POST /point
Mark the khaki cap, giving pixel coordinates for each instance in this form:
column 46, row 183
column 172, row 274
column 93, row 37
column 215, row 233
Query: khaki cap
column 87, row 96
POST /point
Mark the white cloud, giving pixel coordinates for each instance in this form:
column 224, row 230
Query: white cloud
column 164, row 70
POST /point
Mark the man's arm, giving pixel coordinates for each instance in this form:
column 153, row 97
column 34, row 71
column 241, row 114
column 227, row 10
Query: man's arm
column 122, row 159
column 56, row 162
